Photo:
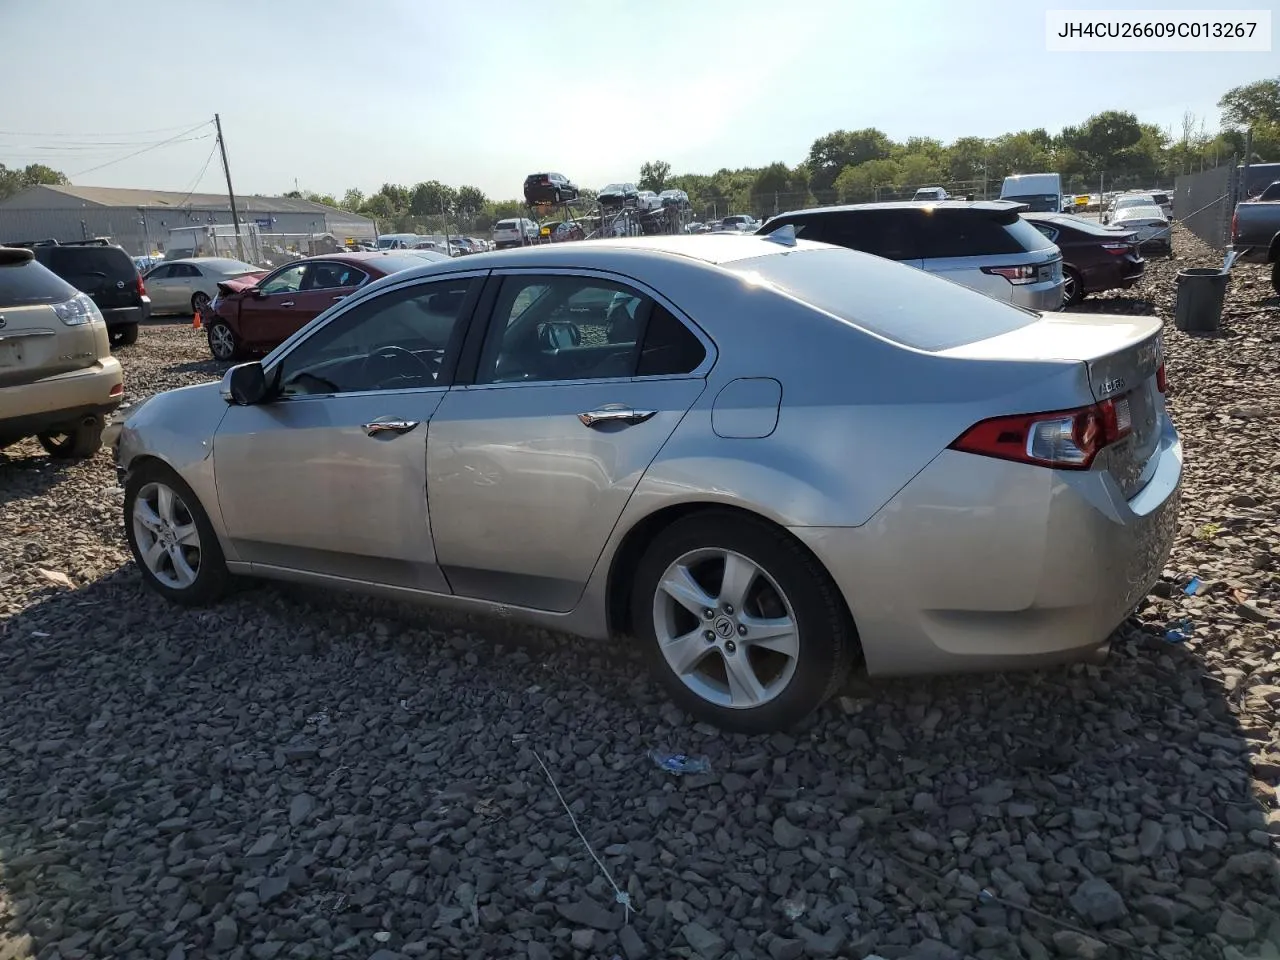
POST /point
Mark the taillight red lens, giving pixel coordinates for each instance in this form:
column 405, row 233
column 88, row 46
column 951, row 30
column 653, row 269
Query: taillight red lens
column 1063, row 439
column 1235, row 225
column 142, row 287
column 1024, row 273
column 1117, row 249
column 1161, row 381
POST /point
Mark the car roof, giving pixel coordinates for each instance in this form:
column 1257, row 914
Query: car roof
column 616, row 253
column 989, row 206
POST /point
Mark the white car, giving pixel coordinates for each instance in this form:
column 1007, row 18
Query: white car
column 930, row 193
column 185, row 286
column 648, row 200
column 1146, row 220
column 514, row 233
column 742, row 222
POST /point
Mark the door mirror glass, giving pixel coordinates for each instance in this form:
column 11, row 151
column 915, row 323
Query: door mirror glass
column 256, row 293
column 245, row 384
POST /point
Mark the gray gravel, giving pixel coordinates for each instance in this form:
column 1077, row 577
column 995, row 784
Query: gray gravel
column 294, row 774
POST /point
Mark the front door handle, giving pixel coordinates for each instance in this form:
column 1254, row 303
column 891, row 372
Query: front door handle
column 615, row 414
column 389, row 425
column 336, row 299
column 287, row 303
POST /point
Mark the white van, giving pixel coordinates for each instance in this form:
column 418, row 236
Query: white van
column 1042, row 192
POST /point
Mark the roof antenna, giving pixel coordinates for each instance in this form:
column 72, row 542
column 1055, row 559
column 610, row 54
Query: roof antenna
column 784, row 235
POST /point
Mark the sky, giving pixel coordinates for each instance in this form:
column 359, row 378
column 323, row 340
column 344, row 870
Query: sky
column 331, row 94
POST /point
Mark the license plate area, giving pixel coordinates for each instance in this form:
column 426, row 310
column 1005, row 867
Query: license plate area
column 10, row 353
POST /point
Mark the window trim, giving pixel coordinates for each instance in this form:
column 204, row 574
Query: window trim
column 271, row 362
column 485, row 322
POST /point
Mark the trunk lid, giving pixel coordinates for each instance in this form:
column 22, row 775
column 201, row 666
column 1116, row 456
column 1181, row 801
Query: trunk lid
column 1121, row 355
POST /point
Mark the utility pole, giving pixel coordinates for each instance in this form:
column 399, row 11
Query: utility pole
column 231, row 194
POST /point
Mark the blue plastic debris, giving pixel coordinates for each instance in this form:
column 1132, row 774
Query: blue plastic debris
column 1192, row 588
column 1178, row 632
column 679, row 764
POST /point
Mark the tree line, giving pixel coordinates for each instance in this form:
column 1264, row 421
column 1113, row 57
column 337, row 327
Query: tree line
column 1113, row 149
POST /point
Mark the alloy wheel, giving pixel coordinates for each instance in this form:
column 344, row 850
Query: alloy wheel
column 222, row 342
column 199, row 301
column 166, row 534
column 725, row 628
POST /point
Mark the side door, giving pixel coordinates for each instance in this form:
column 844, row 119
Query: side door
column 562, row 403
column 327, row 282
column 183, row 286
column 160, row 285
column 268, row 315
column 328, row 478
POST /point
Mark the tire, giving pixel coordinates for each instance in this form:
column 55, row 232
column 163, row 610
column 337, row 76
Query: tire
column 223, row 342
column 1275, row 277
column 78, row 443
column 792, row 679
column 125, row 335
column 199, row 299
column 1072, row 287
column 201, row 577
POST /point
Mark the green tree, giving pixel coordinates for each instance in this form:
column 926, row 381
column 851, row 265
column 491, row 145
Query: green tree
column 829, row 155
column 967, row 158
column 471, row 198
column 653, row 175
column 431, row 198
column 1103, row 138
column 1252, row 103
column 352, row 200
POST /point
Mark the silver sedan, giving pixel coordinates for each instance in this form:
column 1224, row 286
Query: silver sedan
column 768, row 461
column 185, row 286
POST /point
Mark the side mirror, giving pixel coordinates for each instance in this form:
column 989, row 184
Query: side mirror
column 256, row 293
column 245, row 384
column 557, row 335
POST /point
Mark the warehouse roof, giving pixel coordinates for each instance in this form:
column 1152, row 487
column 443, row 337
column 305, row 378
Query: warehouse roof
column 125, row 197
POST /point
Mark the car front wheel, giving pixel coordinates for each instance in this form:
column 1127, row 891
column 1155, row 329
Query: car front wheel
column 223, row 342
column 1072, row 288
column 171, row 537
column 199, row 300
column 123, row 336
column 743, row 626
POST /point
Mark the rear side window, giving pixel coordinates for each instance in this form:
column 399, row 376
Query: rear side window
column 28, row 283
column 899, row 303
column 882, row 233
column 669, row 348
column 967, row 235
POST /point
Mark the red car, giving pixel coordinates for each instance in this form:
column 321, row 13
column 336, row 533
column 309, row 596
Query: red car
column 255, row 314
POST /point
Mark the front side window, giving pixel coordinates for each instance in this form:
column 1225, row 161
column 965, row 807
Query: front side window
column 163, row 272
column 402, row 339
column 325, row 275
column 288, row 280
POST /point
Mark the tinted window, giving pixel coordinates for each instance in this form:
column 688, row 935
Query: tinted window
column 899, row 303
column 955, row 234
column 185, row 270
column 882, row 233
column 326, row 274
column 106, row 261
column 505, row 225
column 163, row 272
column 670, row 347
column 1050, row 232
column 563, row 328
column 23, row 284
column 396, row 341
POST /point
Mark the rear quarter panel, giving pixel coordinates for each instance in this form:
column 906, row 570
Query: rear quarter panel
column 859, row 416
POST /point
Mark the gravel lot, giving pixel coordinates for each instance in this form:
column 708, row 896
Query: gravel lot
column 296, row 774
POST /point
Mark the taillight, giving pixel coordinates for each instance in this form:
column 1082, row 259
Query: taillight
column 1063, row 440
column 1235, row 226
column 116, row 390
column 142, row 287
column 1117, row 249
column 1161, row 382
column 1026, row 273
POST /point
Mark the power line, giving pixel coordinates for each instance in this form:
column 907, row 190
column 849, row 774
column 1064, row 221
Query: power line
column 155, row 146
column 89, row 136
column 199, row 176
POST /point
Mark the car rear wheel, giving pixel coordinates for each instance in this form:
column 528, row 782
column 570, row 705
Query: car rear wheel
column 743, row 627
column 223, row 342
column 123, row 336
column 74, row 443
column 1072, row 288
column 199, row 301
column 171, row 537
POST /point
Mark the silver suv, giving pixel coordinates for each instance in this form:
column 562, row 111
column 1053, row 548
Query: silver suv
column 980, row 244
column 58, row 379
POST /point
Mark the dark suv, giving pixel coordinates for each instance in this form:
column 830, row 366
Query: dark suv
column 983, row 244
column 549, row 188
column 107, row 274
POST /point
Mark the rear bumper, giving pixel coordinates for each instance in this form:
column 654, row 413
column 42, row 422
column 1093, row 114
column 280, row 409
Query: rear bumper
column 978, row 564
column 1037, row 296
column 121, row 316
column 62, row 400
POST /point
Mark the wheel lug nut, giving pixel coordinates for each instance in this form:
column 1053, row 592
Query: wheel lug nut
column 742, row 631
column 728, row 608
column 730, row 646
column 710, row 635
column 708, row 614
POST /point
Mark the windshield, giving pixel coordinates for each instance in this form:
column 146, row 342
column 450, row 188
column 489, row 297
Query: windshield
column 896, row 302
column 613, row 188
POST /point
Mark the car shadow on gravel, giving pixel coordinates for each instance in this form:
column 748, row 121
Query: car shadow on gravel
column 27, row 471
column 295, row 766
column 1132, row 306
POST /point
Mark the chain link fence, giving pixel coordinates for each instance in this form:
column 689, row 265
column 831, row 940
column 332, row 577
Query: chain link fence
column 1204, row 202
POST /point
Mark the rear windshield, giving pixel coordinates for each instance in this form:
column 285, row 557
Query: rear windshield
column 896, row 302
column 27, row 283
column 80, row 261
column 505, row 225
column 1079, row 224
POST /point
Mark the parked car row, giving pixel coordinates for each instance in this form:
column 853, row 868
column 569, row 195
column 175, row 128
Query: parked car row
column 671, row 401
column 1255, row 230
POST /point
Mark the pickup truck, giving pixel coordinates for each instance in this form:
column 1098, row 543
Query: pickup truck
column 1255, row 231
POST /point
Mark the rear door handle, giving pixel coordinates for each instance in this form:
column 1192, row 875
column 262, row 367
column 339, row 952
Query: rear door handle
column 389, row 425
column 615, row 414
column 287, row 303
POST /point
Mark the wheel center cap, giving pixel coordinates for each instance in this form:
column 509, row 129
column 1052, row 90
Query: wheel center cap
column 724, row 628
